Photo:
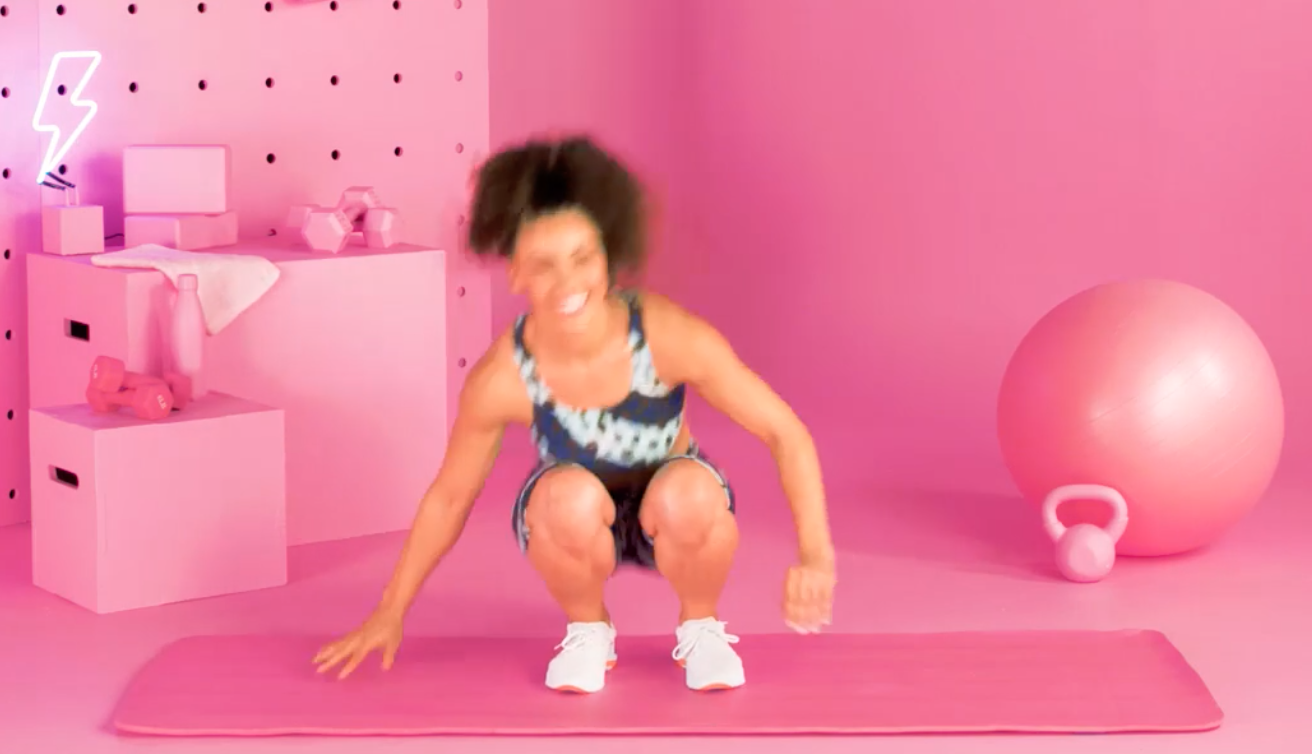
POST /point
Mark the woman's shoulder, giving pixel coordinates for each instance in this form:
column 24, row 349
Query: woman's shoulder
column 652, row 303
column 498, row 365
column 663, row 312
column 675, row 335
column 493, row 385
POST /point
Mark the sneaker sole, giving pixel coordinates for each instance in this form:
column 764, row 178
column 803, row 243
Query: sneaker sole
column 709, row 687
column 610, row 665
column 713, row 687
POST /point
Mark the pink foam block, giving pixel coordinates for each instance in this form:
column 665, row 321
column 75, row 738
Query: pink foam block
column 71, row 230
column 1077, row 681
column 177, row 179
column 352, row 346
column 187, row 232
column 128, row 513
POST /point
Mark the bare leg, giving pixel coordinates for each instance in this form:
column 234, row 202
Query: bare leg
column 570, row 543
column 686, row 513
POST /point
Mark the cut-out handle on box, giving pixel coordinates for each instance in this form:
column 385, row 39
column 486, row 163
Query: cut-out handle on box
column 63, row 476
column 77, row 330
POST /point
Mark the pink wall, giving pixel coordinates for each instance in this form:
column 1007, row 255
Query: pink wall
column 885, row 195
column 875, row 200
column 613, row 68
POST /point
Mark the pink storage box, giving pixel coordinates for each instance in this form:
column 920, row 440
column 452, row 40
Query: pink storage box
column 177, row 178
column 186, row 232
column 77, row 312
column 352, row 346
column 72, row 230
column 129, row 513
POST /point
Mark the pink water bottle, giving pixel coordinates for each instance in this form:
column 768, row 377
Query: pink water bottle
column 188, row 335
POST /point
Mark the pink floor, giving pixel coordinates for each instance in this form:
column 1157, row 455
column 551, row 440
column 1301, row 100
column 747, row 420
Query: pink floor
column 915, row 556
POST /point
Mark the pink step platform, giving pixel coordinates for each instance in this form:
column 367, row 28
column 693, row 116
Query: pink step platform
column 357, row 348
column 1071, row 682
column 128, row 513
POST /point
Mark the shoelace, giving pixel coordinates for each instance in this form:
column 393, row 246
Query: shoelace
column 579, row 636
column 694, row 635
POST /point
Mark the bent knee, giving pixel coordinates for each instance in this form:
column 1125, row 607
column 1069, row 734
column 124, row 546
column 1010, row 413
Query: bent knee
column 568, row 504
column 685, row 501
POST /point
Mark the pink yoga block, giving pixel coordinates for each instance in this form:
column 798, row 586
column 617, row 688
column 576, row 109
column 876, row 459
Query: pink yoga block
column 169, row 179
column 186, row 232
column 72, row 230
column 353, row 346
column 128, row 513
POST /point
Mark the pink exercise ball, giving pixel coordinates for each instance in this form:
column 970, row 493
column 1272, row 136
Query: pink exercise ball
column 1155, row 389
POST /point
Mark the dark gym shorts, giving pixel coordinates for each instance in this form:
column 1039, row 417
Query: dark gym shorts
column 632, row 545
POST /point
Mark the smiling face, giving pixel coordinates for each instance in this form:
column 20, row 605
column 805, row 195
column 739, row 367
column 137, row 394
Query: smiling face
column 559, row 265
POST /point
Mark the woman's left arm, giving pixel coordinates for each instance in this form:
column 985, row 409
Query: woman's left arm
column 697, row 354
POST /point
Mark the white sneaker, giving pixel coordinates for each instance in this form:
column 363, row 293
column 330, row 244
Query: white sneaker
column 587, row 652
column 704, row 652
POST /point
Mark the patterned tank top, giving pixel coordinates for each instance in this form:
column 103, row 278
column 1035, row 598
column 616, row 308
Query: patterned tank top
column 637, row 432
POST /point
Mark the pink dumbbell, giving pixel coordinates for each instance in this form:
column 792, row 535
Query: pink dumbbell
column 358, row 212
column 151, row 400
column 109, row 374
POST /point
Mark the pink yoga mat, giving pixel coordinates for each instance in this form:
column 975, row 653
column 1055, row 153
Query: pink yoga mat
column 1093, row 682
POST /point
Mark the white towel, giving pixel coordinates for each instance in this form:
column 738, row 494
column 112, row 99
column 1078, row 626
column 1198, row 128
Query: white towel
column 227, row 283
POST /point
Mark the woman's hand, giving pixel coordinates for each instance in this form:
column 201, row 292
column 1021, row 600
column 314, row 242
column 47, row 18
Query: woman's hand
column 809, row 595
column 381, row 631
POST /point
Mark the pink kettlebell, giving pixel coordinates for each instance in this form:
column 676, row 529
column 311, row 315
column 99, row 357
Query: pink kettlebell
column 1085, row 552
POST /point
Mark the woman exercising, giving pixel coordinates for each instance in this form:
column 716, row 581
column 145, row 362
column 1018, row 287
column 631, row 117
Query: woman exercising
column 600, row 375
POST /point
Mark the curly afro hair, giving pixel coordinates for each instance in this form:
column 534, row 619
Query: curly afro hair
column 524, row 182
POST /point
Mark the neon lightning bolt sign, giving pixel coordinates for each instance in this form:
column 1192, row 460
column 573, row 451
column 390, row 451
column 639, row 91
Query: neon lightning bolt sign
column 57, row 151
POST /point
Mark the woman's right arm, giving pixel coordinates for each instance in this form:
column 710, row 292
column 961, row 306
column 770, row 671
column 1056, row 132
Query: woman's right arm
column 487, row 404
column 492, row 397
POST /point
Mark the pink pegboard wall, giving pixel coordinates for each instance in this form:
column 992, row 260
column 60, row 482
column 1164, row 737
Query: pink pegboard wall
column 312, row 96
column 20, row 230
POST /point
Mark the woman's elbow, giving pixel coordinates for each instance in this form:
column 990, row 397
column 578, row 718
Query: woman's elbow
column 789, row 436
column 445, row 494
